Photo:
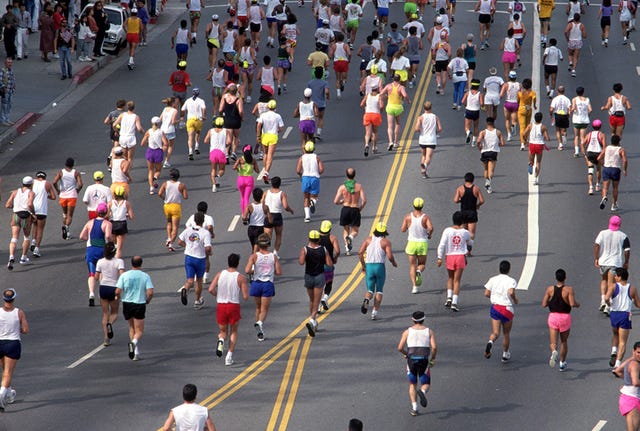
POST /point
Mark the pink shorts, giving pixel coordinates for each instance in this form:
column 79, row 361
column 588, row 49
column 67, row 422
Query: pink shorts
column 509, row 57
column 627, row 403
column 217, row 156
column 559, row 321
column 456, row 261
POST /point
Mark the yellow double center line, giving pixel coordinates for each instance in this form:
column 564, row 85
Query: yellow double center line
column 283, row 404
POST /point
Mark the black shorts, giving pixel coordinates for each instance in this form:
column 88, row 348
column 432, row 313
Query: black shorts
column 484, row 19
column 562, row 121
column 469, row 216
column 41, row 216
column 471, row 115
column 11, row 349
column 119, row 227
column 276, row 220
column 472, row 65
column 132, row 310
column 232, row 123
column 605, row 21
column 441, row 65
column 592, row 156
column 254, row 232
column 108, row 293
column 550, row 70
column 488, row 156
column 349, row 216
column 114, row 135
column 255, row 27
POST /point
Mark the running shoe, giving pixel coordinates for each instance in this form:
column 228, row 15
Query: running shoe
column 92, row 301
column 349, row 241
column 454, row 307
column 454, row 107
column 24, row 260
column 3, row 404
column 413, row 412
column 190, row 156
column 468, row 137
column 136, row 358
column 10, row 397
column 219, row 348
column 418, row 278
column 597, row 187
column 374, row 314
column 603, row 202
column 414, row 289
column 612, row 359
column 603, row 305
column 375, row 21
column 311, row 328
column 265, row 178
column 607, row 310
column 535, row 181
column 312, row 205
column 36, row 252
column 364, row 306
column 33, row 245
column 324, row 302
column 614, row 208
column 214, row 188
column 197, row 150
column 109, row 330
column 522, row 146
column 151, row 190
column 228, row 360
column 508, row 136
column 563, row 366
column 530, row 168
column 132, row 350
column 390, row 146
column 64, row 232
column 307, row 220
column 590, row 192
column 506, row 356
column 233, row 156
column 513, row 129
column 279, row 90
column 10, row 264
column 166, row 164
column 573, row 73
column 198, row 303
column 423, row 397
column 489, row 190
column 487, row 350
column 366, row 150
column 448, row 303
column 183, row 295
column 553, row 359
column 106, row 342
column 560, row 147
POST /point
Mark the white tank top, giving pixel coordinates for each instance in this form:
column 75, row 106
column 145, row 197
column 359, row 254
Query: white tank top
column 228, row 289
column 428, row 132
column 21, row 200
column 9, row 324
column 581, row 114
column 217, row 78
column 257, row 215
column 621, row 300
column 40, row 204
column 535, row 135
column 518, row 31
column 574, row 8
column 190, row 417
column 227, row 43
column 334, row 23
column 118, row 210
column 512, row 91
column 575, row 33
column 182, row 36
column 241, row 8
column 128, row 124
column 267, row 77
column 436, row 36
column 417, row 232
column 509, row 44
column 612, row 157
column 155, row 139
column 265, row 268
column 254, row 14
column 290, row 31
column 617, row 105
column 375, row 253
column 491, row 141
column 310, row 167
column 594, row 144
column 306, row 111
column 214, row 33
column 217, row 140
column 418, row 338
column 473, row 101
column 372, row 105
column 245, row 55
column 194, row 5
column 166, row 116
column 273, row 200
column 117, row 176
column 485, row 7
column 172, row 193
column 68, row 184
column 340, row 53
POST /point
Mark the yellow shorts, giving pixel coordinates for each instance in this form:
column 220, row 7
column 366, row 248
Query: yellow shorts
column 194, row 125
column 115, row 185
column 172, row 211
column 416, row 248
column 268, row 139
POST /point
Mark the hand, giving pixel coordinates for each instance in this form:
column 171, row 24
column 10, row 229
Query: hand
column 439, row 263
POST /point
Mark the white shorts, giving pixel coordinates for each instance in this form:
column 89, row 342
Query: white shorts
column 127, row 141
column 492, row 99
column 425, row 140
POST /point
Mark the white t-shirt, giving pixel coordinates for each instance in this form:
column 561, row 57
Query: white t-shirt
column 196, row 240
column 560, row 105
column 400, row 63
column 110, row 270
column 354, row 11
column 194, row 108
column 519, row 9
column 453, row 241
column 493, row 84
column 499, row 286
column 271, row 122
column 417, row 24
column 190, row 417
column 95, row 194
column 613, row 244
column 208, row 221
column 552, row 55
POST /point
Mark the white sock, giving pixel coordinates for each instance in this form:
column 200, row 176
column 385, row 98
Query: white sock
column 3, row 391
column 193, row 34
column 602, row 298
column 449, row 293
column 455, row 299
column 414, row 406
column 229, row 355
column 135, row 341
column 130, row 60
column 614, row 350
column 307, row 212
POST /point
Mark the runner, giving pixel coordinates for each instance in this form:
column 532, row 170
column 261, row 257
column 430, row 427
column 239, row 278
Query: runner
column 604, row 13
column 269, row 125
column 626, row 9
column 108, row 270
column 552, row 55
column 559, row 109
column 458, row 70
column 255, row 216
column 256, row 16
column 489, row 142
column 324, row 36
column 453, row 246
column 196, row 241
column 470, row 52
column 232, row 110
column 21, row 203
column 213, row 32
column 330, row 243
column 307, row 111
column 366, row 52
column 170, row 118
column 271, row 22
column 309, row 169
column 97, row 231
column 492, row 86
column 247, row 60
column 617, row 105
column 611, row 250
column 473, row 101
column 580, row 110
column 372, row 255
column 510, row 52
column 119, row 211
column 208, row 224
column 485, row 8
column 114, row 134
column 594, row 144
column 216, row 137
column 470, row 198
column 560, row 300
column 133, row 26
column 510, row 91
column 126, row 125
column 395, row 93
column 516, row 7
column 575, row 33
column 314, row 257
column 351, row 196
column 180, row 40
column 419, row 228
column 527, row 99
column 195, row 10
column 120, row 170
column 501, row 291
column 441, row 53
column 429, row 127
column 189, row 414
column 620, row 297
column 246, row 165
column 614, row 160
column 284, row 64
column 96, row 194
column 277, row 202
column 195, row 111
column 43, row 191
column 545, row 9
column 373, row 104
column 68, row 184
column 519, row 32
column 158, row 145
column 13, row 323
column 536, row 134
column 263, row 265
column 341, row 55
column 420, row 353
column 628, row 403
column 574, row 7
column 172, row 192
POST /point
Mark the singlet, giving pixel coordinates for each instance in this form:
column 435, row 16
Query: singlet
column 625, row 13
column 612, row 157
column 291, row 32
column 267, row 77
column 217, row 78
column 9, row 324
column 314, row 260
column 118, row 210
column 518, row 29
column 334, row 23
column 375, row 253
column 214, row 33
column 254, row 14
column 513, row 88
column 340, row 54
column 594, row 145
column 245, row 55
column 257, row 215
column 228, row 289
column 40, row 204
column 306, row 110
column 557, row 303
column 470, row 53
column 117, row 176
column 574, row 8
column 485, row 7
column 366, row 53
column 310, row 166
column 581, row 113
column 265, row 268
column 394, row 96
column 190, row 416
column 172, row 193
column 561, row 104
column 155, row 140
column 628, row 388
column 245, row 169
column 491, row 141
column 128, row 124
column 282, row 53
column 325, row 241
column 323, row 13
column 418, row 343
column 417, row 232
column 217, row 140
column 441, row 52
column 194, row 5
column 468, row 201
column 473, row 101
column 535, row 134
column 241, row 7
column 167, row 125
column 133, row 25
column 509, row 44
column 428, row 132
column 372, row 105
column 575, row 33
column 273, row 200
column 231, row 113
column 68, row 184
column 182, row 36
column 227, row 43
column 617, row 107
column 21, row 201
column 413, row 48
column 621, row 299
column 96, row 235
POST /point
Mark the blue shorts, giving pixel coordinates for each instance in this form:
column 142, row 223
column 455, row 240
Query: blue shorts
column 182, row 48
column 418, row 368
column 471, row 115
column 12, row 349
column 92, row 256
column 328, row 273
column 108, row 293
column 610, row 174
column 383, row 11
column 620, row 319
column 375, row 277
column 262, row 289
column 311, row 185
column 271, row 19
column 500, row 313
column 194, row 266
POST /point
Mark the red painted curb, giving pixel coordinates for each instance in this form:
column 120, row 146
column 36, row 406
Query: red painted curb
column 26, row 121
column 84, row 73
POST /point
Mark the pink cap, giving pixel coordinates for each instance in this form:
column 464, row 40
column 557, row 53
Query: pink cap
column 102, row 208
column 614, row 222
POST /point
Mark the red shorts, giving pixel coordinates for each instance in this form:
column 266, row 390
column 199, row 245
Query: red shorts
column 456, row 261
column 372, row 118
column 536, row 148
column 92, row 215
column 243, row 20
column 133, row 37
column 228, row 314
column 616, row 121
column 559, row 321
column 341, row 66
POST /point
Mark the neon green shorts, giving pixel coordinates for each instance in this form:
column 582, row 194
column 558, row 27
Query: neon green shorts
column 353, row 24
column 416, row 248
column 410, row 8
column 393, row 109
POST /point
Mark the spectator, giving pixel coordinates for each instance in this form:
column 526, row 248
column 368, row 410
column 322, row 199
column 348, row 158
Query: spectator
column 47, row 31
column 7, row 88
column 103, row 25
column 9, row 22
column 65, row 42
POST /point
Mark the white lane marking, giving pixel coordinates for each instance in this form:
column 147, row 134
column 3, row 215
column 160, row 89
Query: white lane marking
column 87, row 356
column 234, row 222
column 632, row 46
column 638, row 70
column 533, row 234
column 599, row 425
column 286, row 132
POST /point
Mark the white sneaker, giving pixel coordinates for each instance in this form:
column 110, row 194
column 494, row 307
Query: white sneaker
column 374, row 315
column 10, row 396
column 553, row 359
column 415, row 289
column 228, row 360
column 197, row 304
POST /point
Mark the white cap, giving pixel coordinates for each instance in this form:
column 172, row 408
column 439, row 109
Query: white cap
column 308, row 92
column 439, row 19
column 215, row 17
column 27, row 181
column 134, row 10
column 156, row 120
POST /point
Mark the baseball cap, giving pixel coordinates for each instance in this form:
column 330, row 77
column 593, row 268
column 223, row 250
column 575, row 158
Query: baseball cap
column 102, row 208
column 309, row 146
column 314, row 234
column 9, row 295
column 218, row 122
column 325, row 22
column 418, row 203
column 41, row 174
column 512, row 74
column 325, row 226
column 196, row 90
column 271, row 104
column 27, row 181
column 493, row 70
column 308, row 92
column 596, row 123
column 182, row 63
column 134, row 10
column 381, row 228
column 374, row 69
column 156, row 120
column 417, row 316
column 439, row 19
column 117, row 150
column 268, row 89
column 614, row 222
column 215, row 17
column 98, row 175
column 119, row 191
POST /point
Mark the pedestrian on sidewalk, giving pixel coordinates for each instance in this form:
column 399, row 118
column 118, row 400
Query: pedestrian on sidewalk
column 9, row 22
column 24, row 23
column 47, row 32
column 7, row 88
column 103, row 25
column 65, row 42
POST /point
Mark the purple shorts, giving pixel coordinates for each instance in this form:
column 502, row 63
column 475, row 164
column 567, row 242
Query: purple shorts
column 307, row 127
column 511, row 106
column 217, row 156
column 154, row 155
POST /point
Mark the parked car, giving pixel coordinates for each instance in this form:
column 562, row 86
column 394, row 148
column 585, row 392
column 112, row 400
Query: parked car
column 116, row 37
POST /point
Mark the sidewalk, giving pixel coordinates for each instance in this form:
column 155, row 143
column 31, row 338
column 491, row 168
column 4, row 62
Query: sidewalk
column 38, row 84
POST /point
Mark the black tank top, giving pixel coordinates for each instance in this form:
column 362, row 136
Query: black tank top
column 468, row 202
column 314, row 262
column 556, row 303
column 231, row 113
column 325, row 241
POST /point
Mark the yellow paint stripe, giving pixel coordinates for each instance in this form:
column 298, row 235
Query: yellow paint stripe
column 294, row 386
column 295, row 344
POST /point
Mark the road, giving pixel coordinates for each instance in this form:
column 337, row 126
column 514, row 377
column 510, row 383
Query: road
column 351, row 369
